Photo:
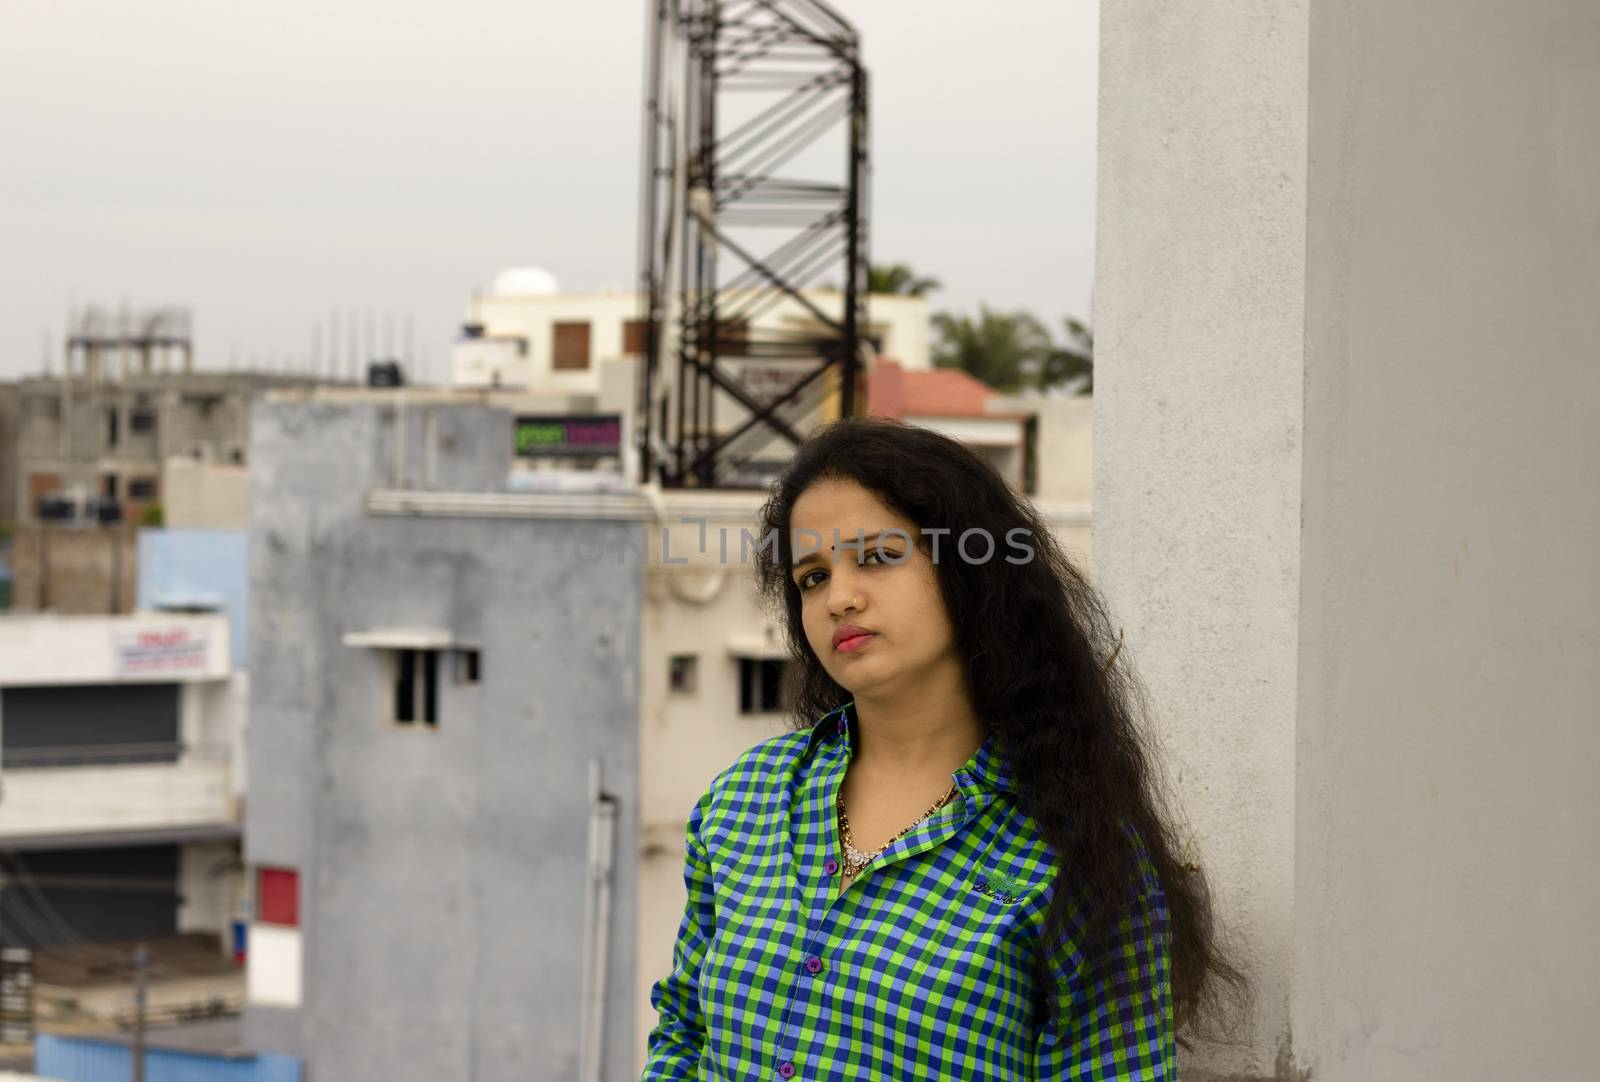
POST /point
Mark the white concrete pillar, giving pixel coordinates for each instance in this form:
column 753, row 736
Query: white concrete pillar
column 1347, row 417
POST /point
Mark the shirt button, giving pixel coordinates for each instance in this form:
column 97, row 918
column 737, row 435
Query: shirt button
column 813, row 964
column 844, row 726
column 830, row 866
column 786, row 1070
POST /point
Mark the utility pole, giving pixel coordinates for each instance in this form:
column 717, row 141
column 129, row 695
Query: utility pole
column 141, row 968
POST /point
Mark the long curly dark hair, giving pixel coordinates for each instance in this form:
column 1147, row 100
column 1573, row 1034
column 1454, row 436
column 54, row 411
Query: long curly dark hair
column 1046, row 676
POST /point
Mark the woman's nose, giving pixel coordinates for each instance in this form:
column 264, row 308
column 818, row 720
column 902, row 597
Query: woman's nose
column 844, row 589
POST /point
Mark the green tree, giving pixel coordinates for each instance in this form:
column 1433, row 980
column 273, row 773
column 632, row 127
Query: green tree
column 899, row 279
column 1070, row 361
column 1006, row 350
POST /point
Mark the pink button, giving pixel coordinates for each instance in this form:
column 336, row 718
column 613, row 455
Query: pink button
column 844, row 726
column 813, row 964
column 830, row 866
column 786, row 1070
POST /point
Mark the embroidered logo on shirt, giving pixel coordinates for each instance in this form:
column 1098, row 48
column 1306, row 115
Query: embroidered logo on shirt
column 1001, row 887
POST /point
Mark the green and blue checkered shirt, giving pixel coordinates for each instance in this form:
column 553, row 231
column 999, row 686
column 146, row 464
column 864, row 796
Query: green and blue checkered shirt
column 921, row 969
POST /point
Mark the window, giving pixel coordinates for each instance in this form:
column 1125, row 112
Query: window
column 142, row 421
column 90, row 724
column 1030, row 455
column 681, row 672
column 111, row 428
column 467, row 666
column 416, row 687
column 571, row 346
column 763, row 685
column 635, row 337
column 142, row 488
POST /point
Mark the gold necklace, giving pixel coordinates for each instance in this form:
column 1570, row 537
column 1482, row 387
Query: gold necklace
column 855, row 859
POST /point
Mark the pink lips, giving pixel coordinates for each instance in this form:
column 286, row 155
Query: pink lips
column 849, row 639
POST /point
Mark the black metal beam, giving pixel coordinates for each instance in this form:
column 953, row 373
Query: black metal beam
column 728, row 230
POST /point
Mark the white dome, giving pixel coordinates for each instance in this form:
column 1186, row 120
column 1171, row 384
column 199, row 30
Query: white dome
column 521, row 281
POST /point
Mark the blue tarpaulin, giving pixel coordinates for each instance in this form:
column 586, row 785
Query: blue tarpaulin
column 89, row 1059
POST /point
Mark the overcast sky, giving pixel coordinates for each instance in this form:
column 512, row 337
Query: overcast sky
column 267, row 163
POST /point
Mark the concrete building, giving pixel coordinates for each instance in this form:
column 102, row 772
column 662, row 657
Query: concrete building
column 120, row 777
column 94, row 457
column 1347, row 420
column 205, row 495
column 610, row 623
column 8, row 458
column 443, row 888
column 110, row 437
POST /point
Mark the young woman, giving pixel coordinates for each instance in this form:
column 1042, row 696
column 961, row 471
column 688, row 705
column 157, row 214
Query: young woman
column 958, row 866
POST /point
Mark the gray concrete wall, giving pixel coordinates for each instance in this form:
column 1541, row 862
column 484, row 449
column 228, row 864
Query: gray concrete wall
column 442, row 872
column 1347, row 413
column 1450, row 644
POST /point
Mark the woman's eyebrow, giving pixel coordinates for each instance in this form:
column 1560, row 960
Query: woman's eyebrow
column 850, row 541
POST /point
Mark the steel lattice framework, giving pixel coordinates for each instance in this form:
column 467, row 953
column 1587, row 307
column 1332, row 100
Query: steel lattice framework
column 754, row 197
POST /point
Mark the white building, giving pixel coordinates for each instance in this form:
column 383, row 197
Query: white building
column 525, row 333
column 120, row 781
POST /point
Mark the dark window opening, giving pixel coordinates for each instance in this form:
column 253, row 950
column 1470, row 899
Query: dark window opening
column 142, row 421
column 468, row 669
column 763, row 685
column 142, row 488
column 682, row 672
column 94, row 893
column 416, row 693
column 90, row 724
column 111, row 428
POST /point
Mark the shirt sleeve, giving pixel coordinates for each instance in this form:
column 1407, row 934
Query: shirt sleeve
column 674, row 1045
column 1116, row 1022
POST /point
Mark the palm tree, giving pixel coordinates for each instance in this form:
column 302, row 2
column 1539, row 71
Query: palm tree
column 899, row 279
column 1006, row 350
column 1072, row 361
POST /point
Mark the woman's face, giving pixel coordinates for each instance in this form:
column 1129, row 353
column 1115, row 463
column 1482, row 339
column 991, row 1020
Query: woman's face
column 892, row 594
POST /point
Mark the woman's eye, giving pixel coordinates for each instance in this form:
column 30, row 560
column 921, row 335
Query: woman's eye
column 804, row 582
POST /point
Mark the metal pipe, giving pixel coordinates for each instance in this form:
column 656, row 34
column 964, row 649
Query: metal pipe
column 596, row 926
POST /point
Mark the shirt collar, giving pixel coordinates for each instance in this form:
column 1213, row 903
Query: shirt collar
column 987, row 767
